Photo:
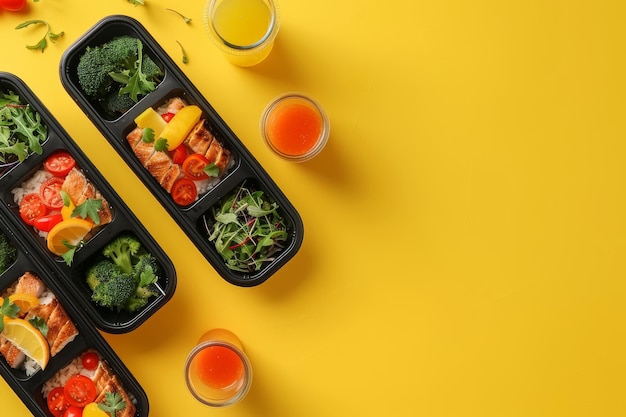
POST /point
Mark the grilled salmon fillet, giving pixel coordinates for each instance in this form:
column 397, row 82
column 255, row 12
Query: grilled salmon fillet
column 80, row 189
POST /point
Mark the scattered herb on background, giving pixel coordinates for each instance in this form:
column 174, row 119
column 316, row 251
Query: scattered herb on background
column 185, row 59
column 136, row 2
column 43, row 43
column 185, row 18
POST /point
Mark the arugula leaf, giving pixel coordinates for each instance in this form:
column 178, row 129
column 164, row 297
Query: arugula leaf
column 113, row 402
column 21, row 129
column 147, row 277
column 136, row 2
column 43, row 43
column 8, row 309
column 182, row 50
column 138, row 84
column 89, row 208
column 185, row 18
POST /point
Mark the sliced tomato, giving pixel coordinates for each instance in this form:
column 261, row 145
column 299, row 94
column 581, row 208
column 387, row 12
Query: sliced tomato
column 50, row 193
column 31, row 208
column 90, row 360
column 57, row 404
column 73, row 411
column 193, row 167
column 47, row 222
column 59, row 163
column 184, row 192
column 179, row 154
column 80, row 390
column 167, row 116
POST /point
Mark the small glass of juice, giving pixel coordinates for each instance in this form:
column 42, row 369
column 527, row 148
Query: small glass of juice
column 217, row 371
column 295, row 127
column 243, row 30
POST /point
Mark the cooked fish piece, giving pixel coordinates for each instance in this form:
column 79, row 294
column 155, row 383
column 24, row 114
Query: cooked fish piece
column 167, row 181
column 101, row 377
column 61, row 329
column 13, row 355
column 199, row 139
column 30, row 284
column 80, row 189
column 144, row 151
column 158, row 164
column 219, row 155
column 67, row 334
column 134, row 137
column 114, row 386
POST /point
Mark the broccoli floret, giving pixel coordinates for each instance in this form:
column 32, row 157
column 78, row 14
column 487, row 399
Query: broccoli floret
column 100, row 272
column 121, row 251
column 93, row 71
column 118, row 104
column 109, row 67
column 115, row 292
column 8, row 253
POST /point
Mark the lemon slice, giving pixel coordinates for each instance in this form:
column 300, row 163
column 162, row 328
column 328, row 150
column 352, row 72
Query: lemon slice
column 24, row 301
column 70, row 231
column 27, row 339
column 151, row 119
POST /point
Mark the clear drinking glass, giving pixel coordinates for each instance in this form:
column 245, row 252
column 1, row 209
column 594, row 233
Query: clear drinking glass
column 243, row 30
column 217, row 370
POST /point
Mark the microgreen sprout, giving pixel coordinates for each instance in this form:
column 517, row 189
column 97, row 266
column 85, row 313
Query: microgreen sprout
column 43, row 43
column 185, row 18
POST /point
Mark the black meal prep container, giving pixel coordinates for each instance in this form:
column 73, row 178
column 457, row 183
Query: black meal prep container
column 68, row 282
column 29, row 388
column 175, row 84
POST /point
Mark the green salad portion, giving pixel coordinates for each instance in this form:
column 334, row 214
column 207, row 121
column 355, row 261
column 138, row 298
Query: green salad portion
column 21, row 130
column 247, row 230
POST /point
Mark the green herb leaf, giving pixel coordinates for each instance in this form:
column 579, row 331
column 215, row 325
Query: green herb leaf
column 113, row 402
column 147, row 135
column 42, row 44
column 136, row 2
column 89, row 208
column 212, row 170
column 40, row 324
column 8, row 309
column 185, row 59
column 138, row 84
column 68, row 256
column 66, row 198
column 185, row 18
column 160, row 145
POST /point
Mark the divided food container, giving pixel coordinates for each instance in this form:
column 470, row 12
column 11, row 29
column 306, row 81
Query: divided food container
column 68, row 281
column 196, row 218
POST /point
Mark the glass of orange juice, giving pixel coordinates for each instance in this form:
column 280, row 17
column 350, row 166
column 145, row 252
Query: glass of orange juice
column 295, row 127
column 244, row 30
column 217, row 370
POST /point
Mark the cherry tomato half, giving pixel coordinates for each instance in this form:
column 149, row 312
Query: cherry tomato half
column 31, row 208
column 167, row 116
column 179, row 154
column 12, row 5
column 90, row 361
column 50, row 193
column 184, row 192
column 73, row 412
column 57, row 404
column 47, row 222
column 59, row 163
column 193, row 167
column 80, row 390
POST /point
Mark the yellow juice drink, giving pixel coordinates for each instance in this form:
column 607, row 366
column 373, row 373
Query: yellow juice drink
column 244, row 30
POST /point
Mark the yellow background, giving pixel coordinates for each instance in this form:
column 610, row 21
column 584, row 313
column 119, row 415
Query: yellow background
column 465, row 233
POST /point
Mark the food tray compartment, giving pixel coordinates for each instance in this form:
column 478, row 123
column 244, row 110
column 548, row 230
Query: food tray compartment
column 28, row 386
column 174, row 84
column 122, row 221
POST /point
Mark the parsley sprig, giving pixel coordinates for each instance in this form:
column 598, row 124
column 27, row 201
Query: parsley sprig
column 7, row 309
column 113, row 402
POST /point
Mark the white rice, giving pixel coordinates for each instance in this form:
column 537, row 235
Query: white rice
column 32, row 185
column 60, row 378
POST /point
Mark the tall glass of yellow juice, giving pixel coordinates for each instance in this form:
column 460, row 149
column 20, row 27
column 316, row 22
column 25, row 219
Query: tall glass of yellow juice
column 244, row 30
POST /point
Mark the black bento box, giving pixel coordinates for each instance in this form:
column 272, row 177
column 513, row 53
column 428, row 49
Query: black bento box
column 29, row 387
column 67, row 282
column 243, row 167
